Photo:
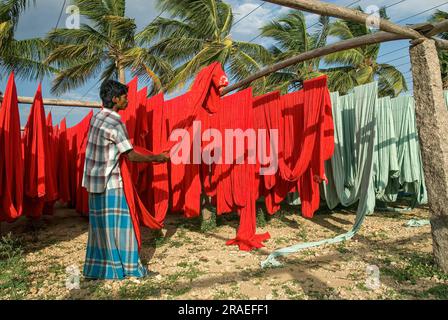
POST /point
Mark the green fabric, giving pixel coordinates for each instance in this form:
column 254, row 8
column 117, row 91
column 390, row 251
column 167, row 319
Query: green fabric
column 385, row 166
column 411, row 177
column 350, row 169
column 414, row 223
column 376, row 156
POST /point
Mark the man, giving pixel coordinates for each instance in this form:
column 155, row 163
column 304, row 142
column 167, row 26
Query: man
column 112, row 250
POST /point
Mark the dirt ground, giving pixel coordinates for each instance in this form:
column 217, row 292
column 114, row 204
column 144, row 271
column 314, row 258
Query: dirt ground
column 192, row 264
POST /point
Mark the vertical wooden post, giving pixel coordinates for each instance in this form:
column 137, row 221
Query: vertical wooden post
column 432, row 123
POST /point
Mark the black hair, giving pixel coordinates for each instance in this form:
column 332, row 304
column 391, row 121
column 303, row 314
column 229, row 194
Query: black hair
column 110, row 89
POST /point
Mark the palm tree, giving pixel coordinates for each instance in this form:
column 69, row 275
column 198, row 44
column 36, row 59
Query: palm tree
column 443, row 55
column 24, row 57
column 359, row 66
column 291, row 38
column 106, row 45
column 198, row 33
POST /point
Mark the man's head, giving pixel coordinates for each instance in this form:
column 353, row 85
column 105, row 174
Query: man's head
column 114, row 94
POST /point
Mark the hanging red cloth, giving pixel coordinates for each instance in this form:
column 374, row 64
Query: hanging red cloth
column 82, row 196
column 204, row 93
column 139, row 213
column 317, row 95
column 235, row 182
column 159, row 186
column 11, row 159
column 141, row 125
column 185, row 183
column 77, row 142
column 63, row 163
column 51, row 167
column 266, row 119
column 129, row 115
column 305, row 142
column 205, row 89
column 147, row 133
column 36, row 155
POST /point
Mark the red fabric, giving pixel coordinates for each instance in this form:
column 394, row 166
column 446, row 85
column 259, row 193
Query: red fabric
column 139, row 214
column 204, row 93
column 51, row 166
column 128, row 116
column 205, row 89
column 146, row 175
column 266, row 117
column 305, row 142
column 235, row 183
column 11, row 159
column 63, row 163
column 185, row 183
column 38, row 184
column 77, row 139
column 159, row 190
column 141, row 125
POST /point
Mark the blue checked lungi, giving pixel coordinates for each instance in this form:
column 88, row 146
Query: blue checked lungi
column 112, row 249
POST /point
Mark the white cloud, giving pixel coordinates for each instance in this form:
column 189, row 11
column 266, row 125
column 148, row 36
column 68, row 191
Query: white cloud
column 250, row 25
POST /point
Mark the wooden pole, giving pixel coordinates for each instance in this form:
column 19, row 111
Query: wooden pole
column 341, row 46
column 319, row 52
column 332, row 10
column 60, row 102
column 432, row 122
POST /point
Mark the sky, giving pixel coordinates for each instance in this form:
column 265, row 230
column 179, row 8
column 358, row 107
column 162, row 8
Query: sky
column 38, row 20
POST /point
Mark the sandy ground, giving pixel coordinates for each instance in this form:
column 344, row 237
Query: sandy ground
column 198, row 265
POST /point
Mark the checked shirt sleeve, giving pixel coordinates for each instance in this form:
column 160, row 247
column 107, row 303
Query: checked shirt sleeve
column 121, row 139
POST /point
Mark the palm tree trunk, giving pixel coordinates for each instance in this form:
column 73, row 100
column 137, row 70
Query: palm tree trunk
column 121, row 73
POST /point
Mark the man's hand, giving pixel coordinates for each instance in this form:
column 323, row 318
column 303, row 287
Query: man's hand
column 163, row 157
column 138, row 157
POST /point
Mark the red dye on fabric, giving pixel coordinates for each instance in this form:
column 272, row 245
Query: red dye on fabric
column 235, row 183
column 63, row 163
column 77, row 140
column 11, row 159
column 305, row 142
column 39, row 187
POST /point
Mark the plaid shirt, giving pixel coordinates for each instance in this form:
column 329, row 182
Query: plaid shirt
column 107, row 139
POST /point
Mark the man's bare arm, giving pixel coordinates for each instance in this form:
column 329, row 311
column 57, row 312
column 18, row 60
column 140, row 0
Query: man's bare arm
column 138, row 157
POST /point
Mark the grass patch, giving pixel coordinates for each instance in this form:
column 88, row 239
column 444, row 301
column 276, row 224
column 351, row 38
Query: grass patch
column 139, row 291
column 292, row 294
column 261, row 219
column 302, row 234
column 440, row 291
column 281, row 240
column 14, row 273
column 341, row 247
column 175, row 292
column 416, row 266
column 233, row 293
column 208, row 224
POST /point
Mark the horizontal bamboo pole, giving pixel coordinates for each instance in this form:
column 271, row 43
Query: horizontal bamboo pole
column 59, row 102
column 319, row 52
column 332, row 10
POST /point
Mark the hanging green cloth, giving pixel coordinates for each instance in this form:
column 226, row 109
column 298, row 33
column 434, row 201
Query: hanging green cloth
column 411, row 177
column 349, row 174
column 385, row 165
